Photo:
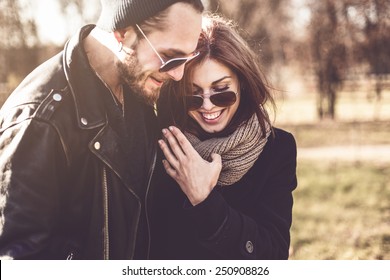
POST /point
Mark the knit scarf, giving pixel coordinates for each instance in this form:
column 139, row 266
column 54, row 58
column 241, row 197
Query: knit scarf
column 238, row 151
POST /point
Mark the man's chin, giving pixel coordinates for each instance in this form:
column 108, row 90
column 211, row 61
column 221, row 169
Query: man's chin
column 152, row 100
column 151, row 93
column 146, row 96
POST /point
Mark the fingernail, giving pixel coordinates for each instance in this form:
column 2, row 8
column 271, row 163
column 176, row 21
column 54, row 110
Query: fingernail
column 164, row 131
column 171, row 128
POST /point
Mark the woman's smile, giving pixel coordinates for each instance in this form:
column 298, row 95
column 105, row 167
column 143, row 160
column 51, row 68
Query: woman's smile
column 212, row 116
column 208, row 77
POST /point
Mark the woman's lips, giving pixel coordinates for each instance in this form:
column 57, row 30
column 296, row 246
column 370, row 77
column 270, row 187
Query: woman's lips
column 211, row 116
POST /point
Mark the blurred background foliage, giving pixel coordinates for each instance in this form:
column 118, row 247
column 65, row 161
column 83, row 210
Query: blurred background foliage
column 330, row 43
column 329, row 63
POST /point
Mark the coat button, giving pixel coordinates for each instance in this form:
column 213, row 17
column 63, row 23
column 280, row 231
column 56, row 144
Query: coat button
column 97, row 145
column 84, row 121
column 249, row 247
column 57, row 97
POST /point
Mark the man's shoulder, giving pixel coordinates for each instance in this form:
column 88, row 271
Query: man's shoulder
column 38, row 84
column 39, row 95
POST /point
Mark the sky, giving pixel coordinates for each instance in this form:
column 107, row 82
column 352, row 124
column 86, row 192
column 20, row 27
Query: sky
column 52, row 26
column 55, row 28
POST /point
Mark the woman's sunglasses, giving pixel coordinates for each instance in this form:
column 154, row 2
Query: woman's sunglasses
column 220, row 99
column 172, row 63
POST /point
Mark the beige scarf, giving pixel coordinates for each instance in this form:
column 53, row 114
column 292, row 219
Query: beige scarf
column 239, row 151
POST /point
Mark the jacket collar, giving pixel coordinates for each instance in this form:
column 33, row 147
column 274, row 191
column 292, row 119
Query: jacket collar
column 83, row 82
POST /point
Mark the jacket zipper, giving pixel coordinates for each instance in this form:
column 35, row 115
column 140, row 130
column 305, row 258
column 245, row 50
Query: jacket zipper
column 106, row 237
column 146, row 200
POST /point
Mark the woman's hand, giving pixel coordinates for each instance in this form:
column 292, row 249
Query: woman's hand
column 196, row 176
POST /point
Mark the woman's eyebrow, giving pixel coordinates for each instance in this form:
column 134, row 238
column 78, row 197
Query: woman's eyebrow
column 213, row 83
column 220, row 80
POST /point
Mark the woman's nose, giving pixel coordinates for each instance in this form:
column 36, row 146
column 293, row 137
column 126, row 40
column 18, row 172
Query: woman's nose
column 207, row 104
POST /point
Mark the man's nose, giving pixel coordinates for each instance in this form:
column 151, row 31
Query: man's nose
column 177, row 73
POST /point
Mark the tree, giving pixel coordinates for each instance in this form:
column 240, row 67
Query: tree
column 86, row 11
column 375, row 27
column 348, row 34
column 17, row 39
column 266, row 26
column 20, row 48
column 329, row 51
column 343, row 36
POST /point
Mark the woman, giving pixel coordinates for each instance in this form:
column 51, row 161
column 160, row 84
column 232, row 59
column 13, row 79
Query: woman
column 228, row 193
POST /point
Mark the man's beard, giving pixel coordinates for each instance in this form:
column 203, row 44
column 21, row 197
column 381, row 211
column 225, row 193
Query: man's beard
column 130, row 72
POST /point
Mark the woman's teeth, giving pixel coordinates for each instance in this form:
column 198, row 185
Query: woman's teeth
column 211, row 116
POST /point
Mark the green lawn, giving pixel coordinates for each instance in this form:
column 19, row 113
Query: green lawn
column 341, row 211
column 342, row 205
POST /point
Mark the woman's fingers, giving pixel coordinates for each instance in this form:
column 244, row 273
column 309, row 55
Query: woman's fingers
column 173, row 144
column 196, row 176
column 168, row 168
column 216, row 161
column 167, row 153
column 182, row 139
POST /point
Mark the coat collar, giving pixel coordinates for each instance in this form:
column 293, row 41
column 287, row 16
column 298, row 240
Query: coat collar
column 84, row 85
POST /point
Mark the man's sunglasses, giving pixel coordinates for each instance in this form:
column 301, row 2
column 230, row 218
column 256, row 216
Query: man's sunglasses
column 220, row 99
column 172, row 63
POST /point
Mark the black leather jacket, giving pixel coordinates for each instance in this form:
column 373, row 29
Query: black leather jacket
column 65, row 192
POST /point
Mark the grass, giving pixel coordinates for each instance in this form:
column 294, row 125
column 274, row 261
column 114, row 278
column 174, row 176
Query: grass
column 341, row 211
column 342, row 205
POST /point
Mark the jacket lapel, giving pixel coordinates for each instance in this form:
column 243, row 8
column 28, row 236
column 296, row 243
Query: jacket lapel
column 83, row 83
column 106, row 146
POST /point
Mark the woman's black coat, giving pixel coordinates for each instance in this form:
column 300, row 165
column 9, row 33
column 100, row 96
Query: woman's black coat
column 250, row 219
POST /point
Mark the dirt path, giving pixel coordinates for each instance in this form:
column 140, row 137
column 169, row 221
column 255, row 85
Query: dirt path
column 377, row 153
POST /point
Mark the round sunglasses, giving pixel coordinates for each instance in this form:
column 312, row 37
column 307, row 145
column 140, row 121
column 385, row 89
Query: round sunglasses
column 220, row 99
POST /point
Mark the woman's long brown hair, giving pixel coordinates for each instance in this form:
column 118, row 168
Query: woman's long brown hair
column 219, row 41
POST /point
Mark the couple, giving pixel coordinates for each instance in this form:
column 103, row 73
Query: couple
column 81, row 176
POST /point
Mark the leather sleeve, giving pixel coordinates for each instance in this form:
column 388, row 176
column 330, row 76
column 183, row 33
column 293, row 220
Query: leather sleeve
column 32, row 163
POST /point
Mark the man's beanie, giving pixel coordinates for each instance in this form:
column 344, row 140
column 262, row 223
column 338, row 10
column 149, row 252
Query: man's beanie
column 121, row 14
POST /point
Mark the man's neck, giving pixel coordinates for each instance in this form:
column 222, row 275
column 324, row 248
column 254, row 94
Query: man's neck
column 99, row 48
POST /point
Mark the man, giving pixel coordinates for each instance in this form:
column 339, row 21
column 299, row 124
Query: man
column 77, row 137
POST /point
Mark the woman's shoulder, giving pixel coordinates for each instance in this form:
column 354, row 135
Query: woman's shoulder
column 281, row 143
column 282, row 137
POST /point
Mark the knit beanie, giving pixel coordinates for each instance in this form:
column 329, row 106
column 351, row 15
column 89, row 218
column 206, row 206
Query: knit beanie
column 121, row 14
